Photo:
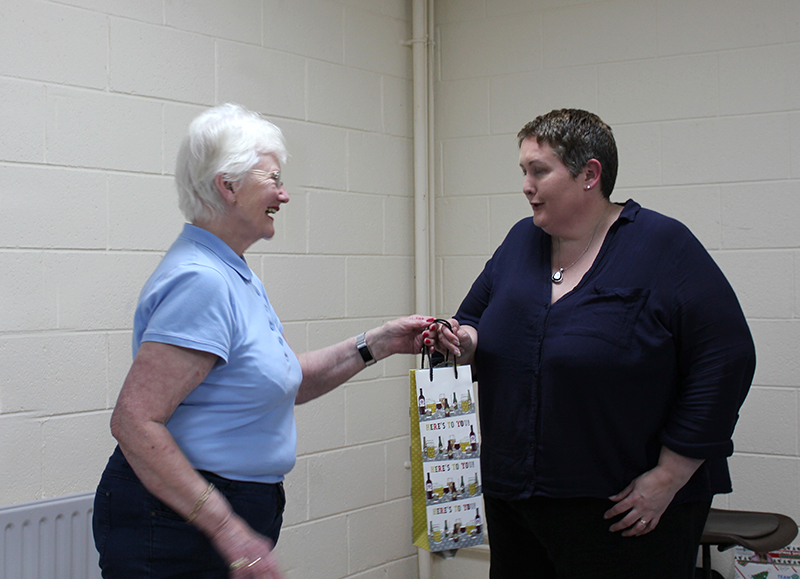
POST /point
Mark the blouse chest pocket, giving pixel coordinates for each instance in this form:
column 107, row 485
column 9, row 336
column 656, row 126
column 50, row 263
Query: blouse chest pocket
column 609, row 314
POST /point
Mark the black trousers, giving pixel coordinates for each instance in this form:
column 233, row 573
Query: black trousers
column 139, row 537
column 546, row 538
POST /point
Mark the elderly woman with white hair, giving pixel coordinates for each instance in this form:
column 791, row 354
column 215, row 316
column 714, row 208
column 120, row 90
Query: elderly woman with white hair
column 205, row 420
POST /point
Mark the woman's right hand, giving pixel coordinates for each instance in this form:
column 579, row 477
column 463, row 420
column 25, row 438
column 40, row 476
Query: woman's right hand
column 458, row 340
column 248, row 554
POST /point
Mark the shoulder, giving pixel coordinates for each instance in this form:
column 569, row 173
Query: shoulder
column 188, row 305
column 196, row 276
column 683, row 262
column 523, row 227
column 651, row 225
column 522, row 235
column 659, row 221
column 519, row 243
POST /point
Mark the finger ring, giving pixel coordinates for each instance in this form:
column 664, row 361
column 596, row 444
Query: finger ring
column 643, row 522
column 254, row 562
column 239, row 563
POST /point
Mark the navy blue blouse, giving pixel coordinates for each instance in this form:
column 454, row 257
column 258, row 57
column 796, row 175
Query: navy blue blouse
column 650, row 349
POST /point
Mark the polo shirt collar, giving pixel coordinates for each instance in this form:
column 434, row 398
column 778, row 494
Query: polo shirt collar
column 219, row 248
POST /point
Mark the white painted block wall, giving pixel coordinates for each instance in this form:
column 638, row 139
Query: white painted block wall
column 704, row 99
column 95, row 96
column 94, row 99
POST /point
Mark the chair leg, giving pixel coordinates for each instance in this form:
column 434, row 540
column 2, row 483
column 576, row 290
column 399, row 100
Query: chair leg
column 707, row 562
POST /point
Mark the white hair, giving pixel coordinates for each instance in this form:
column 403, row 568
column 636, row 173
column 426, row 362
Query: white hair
column 227, row 140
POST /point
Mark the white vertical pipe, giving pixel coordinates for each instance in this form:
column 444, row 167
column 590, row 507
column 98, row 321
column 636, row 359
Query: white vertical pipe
column 431, row 160
column 421, row 194
column 422, row 202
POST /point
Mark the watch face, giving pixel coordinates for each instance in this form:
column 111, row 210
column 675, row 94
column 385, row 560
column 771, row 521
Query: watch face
column 365, row 353
column 363, row 349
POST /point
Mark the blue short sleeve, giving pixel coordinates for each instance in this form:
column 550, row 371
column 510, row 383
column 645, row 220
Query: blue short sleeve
column 189, row 307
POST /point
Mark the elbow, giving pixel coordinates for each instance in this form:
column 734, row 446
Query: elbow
column 302, row 397
column 125, row 427
column 118, row 425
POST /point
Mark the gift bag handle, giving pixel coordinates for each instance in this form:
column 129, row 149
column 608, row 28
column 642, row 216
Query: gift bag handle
column 446, row 354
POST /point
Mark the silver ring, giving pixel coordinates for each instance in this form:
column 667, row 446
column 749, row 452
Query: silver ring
column 239, row 563
column 643, row 522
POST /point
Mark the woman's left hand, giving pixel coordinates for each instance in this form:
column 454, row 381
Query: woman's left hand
column 649, row 495
column 645, row 500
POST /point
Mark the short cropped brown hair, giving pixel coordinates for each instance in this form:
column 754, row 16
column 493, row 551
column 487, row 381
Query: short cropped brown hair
column 576, row 136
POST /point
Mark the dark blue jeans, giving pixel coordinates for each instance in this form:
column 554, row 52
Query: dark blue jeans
column 139, row 537
column 546, row 538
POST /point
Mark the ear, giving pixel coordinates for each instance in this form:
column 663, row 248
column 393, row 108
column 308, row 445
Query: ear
column 224, row 188
column 591, row 173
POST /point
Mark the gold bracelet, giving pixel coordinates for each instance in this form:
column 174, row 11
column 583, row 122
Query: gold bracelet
column 198, row 504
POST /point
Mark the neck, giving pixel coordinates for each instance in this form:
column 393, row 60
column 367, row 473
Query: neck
column 226, row 233
column 586, row 225
column 568, row 255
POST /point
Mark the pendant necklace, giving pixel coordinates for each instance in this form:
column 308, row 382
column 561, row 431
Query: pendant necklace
column 558, row 275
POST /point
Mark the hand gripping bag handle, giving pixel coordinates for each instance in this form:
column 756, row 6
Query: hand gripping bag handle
column 446, row 354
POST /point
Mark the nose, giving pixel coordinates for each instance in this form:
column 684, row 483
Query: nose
column 527, row 187
column 283, row 194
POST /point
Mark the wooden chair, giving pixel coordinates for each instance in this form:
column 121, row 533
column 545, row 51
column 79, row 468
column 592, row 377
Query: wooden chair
column 759, row 532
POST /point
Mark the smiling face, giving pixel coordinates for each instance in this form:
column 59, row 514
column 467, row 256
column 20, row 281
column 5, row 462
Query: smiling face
column 257, row 198
column 556, row 197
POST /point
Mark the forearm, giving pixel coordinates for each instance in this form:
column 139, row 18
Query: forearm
column 674, row 469
column 325, row 369
column 647, row 497
column 166, row 472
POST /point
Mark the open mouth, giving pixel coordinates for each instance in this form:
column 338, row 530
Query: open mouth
column 271, row 211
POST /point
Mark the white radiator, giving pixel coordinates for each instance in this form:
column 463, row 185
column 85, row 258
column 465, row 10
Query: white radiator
column 48, row 539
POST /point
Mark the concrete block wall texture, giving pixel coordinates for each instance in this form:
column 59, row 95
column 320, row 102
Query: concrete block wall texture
column 704, row 101
column 95, row 96
column 94, row 100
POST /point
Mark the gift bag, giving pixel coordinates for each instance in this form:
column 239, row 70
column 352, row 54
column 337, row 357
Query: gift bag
column 445, row 459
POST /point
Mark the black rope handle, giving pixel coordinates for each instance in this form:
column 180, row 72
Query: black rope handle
column 426, row 350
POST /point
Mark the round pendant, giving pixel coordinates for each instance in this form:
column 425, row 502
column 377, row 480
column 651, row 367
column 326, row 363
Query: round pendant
column 558, row 276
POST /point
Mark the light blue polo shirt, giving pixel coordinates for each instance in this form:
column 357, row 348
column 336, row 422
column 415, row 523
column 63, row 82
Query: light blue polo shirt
column 239, row 422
